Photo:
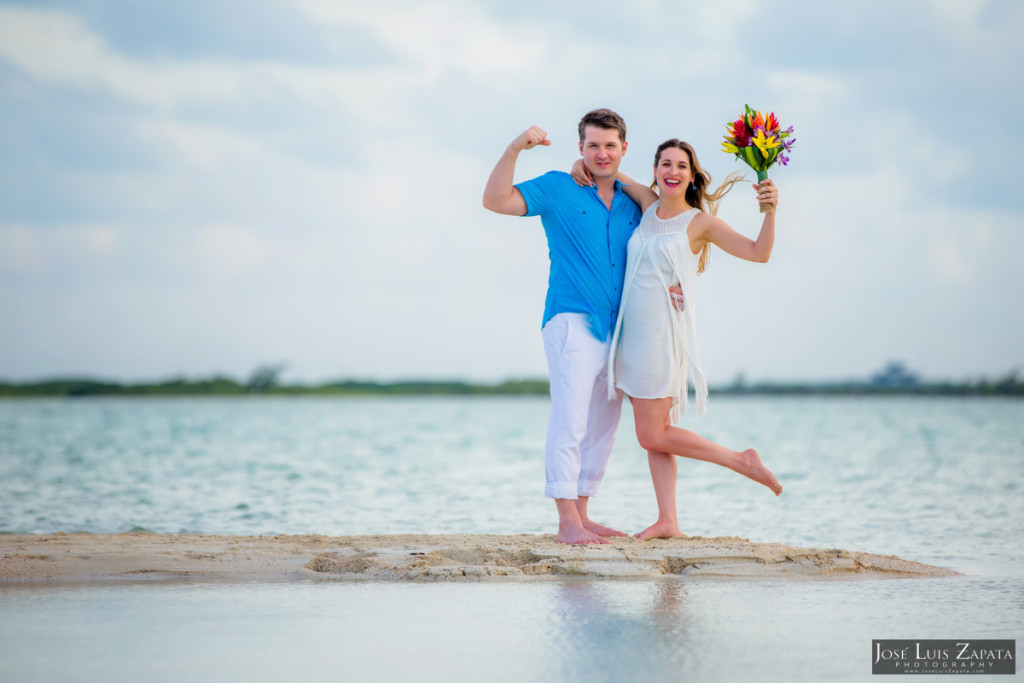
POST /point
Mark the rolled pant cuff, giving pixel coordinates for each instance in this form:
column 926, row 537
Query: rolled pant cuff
column 588, row 488
column 565, row 490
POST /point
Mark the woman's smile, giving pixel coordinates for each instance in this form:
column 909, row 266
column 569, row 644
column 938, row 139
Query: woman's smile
column 673, row 170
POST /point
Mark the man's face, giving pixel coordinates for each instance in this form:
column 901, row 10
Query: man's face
column 602, row 151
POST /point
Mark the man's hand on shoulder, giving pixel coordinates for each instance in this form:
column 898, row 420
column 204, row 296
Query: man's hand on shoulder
column 675, row 292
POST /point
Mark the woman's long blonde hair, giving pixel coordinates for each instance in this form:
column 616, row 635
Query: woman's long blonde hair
column 697, row 194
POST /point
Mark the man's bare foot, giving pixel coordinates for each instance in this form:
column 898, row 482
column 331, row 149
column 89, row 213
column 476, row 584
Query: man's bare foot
column 752, row 467
column 660, row 530
column 578, row 536
column 600, row 529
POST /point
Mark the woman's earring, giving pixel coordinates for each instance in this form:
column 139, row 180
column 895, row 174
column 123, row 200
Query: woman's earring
column 693, row 186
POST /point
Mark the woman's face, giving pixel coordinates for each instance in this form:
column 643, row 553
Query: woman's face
column 673, row 173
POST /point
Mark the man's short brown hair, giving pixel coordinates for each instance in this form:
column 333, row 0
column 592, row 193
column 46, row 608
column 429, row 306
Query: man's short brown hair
column 603, row 118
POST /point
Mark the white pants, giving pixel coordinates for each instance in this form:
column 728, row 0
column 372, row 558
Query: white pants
column 582, row 425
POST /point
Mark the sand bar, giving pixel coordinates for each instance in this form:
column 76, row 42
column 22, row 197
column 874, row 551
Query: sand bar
column 76, row 557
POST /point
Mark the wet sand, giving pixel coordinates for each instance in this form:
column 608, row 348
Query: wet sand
column 75, row 557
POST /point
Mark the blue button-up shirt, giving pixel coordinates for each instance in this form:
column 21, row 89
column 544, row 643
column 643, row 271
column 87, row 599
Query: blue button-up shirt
column 586, row 245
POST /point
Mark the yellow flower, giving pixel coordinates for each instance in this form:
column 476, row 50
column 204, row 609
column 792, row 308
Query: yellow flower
column 729, row 147
column 764, row 144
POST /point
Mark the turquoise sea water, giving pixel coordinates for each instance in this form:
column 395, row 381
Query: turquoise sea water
column 933, row 480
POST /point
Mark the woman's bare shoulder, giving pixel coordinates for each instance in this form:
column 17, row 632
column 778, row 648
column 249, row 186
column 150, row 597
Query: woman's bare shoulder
column 702, row 222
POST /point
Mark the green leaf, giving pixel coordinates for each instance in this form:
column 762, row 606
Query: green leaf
column 752, row 155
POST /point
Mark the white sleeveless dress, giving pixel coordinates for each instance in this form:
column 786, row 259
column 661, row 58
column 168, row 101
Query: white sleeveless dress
column 654, row 347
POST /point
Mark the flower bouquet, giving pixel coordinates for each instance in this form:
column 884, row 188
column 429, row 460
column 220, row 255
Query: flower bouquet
column 757, row 141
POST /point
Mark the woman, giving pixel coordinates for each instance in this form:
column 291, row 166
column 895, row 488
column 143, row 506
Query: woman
column 654, row 348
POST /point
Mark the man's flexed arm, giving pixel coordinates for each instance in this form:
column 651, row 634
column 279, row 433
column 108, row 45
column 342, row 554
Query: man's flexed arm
column 500, row 195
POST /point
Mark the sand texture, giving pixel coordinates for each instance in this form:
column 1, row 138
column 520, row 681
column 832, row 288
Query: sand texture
column 75, row 557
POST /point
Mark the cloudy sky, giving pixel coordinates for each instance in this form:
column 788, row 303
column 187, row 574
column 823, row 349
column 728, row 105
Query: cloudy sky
column 203, row 186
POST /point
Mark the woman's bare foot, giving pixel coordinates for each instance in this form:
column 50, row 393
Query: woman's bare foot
column 660, row 529
column 751, row 466
column 600, row 529
column 577, row 535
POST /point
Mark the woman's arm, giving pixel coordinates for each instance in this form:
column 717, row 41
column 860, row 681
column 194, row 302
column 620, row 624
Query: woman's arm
column 718, row 232
column 639, row 193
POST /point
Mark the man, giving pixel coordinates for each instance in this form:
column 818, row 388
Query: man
column 587, row 229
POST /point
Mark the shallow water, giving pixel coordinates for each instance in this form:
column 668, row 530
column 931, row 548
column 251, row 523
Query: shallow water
column 939, row 480
column 934, row 480
column 577, row 630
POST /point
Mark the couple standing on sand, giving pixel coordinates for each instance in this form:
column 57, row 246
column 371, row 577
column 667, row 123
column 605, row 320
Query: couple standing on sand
column 619, row 314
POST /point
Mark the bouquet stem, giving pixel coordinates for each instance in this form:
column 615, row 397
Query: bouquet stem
column 765, row 208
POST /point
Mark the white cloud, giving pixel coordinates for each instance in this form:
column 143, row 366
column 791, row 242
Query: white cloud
column 26, row 249
column 948, row 264
column 57, row 46
column 20, row 251
column 98, row 243
column 810, row 92
column 429, row 44
column 435, row 37
column 232, row 251
column 202, row 144
column 724, row 22
column 958, row 14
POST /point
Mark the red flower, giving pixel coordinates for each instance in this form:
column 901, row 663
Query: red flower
column 741, row 133
column 772, row 123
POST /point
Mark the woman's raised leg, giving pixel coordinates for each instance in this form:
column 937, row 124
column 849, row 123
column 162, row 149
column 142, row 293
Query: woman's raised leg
column 655, row 432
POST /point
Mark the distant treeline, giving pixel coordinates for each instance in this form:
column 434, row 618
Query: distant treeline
column 1011, row 385
column 226, row 386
